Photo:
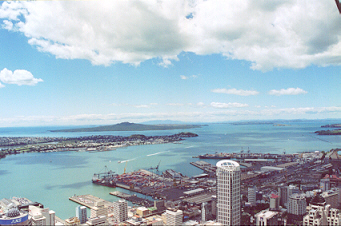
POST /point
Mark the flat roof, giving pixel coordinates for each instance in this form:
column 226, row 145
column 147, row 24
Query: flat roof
column 193, row 191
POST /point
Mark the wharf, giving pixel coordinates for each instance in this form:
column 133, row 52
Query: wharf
column 133, row 199
column 89, row 201
column 207, row 167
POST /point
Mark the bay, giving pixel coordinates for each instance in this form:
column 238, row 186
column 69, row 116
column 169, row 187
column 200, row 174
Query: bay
column 51, row 178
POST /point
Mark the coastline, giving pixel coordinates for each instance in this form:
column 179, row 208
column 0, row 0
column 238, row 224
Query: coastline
column 97, row 143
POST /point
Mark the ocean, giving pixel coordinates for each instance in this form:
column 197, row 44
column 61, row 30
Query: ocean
column 51, row 178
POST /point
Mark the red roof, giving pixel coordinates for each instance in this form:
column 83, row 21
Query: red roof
column 273, row 196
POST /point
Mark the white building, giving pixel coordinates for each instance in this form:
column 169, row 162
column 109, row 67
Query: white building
column 172, row 217
column 274, row 202
column 228, row 192
column 266, row 217
column 41, row 216
column 99, row 210
column 98, row 214
column 251, row 195
column 297, row 205
column 319, row 213
column 81, row 214
column 120, row 210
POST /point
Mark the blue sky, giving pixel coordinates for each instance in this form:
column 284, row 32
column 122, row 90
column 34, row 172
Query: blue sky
column 148, row 60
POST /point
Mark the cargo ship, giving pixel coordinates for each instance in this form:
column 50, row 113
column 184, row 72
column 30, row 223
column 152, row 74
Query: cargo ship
column 107, row 178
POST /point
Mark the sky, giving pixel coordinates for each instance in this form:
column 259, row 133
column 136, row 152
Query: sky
column 106, row 62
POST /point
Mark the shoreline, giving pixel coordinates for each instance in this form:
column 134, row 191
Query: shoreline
column 97, row 143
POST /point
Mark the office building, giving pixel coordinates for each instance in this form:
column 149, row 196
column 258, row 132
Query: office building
column 99, row 210
column 297, row 205
column 173, row 218
column 228, row 192
column 120, row 210
column 325, row 184
column 251, row 195
column 42, row 216
column 81, row 214
column 274, row 202
column 283, row 195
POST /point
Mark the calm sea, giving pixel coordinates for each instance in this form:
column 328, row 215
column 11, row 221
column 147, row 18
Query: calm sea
column 51, row 178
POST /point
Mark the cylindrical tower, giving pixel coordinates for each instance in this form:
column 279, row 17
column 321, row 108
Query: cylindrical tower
column 228, row 192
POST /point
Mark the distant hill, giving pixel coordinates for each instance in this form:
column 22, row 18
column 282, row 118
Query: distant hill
column 127, row 126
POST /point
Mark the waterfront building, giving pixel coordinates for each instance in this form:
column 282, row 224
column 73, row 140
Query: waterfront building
column 251, row 195
column 274, row 202
column 320, row 213
column 266, row 217
column 72, row 221
column 99, row 210
column 142, row 211
column 171, row 217
column 325, row 184
column 81, row 214
column 228, row 192
column 13, row 216
column 101, row 220
column 297, row 205
column 42, row 216
column 120, row 210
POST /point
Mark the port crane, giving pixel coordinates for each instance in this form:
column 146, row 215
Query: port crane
column 155, row 168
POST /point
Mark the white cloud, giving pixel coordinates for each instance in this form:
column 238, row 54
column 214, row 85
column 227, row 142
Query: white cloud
column 289, row 91
column 8, row 25
column 228, row 105
column 1, row 85
column 188, row 77
column 18, row 77
column 200, row 104
column 196, row 116
column 239, row 92
column 176, row 104
column 268, row 33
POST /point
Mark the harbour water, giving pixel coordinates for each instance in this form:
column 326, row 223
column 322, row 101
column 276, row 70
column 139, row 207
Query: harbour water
column 51, row 178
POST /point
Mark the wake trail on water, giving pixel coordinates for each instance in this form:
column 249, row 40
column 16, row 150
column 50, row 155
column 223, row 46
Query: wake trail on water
column 157, row 153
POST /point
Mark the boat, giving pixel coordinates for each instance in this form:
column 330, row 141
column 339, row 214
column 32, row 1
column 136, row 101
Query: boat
column 107, row 178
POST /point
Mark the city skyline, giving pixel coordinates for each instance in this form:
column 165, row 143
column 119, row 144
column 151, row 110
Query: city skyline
column 93, row 63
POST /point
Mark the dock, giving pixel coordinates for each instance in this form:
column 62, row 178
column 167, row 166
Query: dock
column 207, row 167
column 133, row 199
column 89, row 201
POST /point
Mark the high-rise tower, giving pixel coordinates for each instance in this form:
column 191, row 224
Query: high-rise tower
column 228, row 192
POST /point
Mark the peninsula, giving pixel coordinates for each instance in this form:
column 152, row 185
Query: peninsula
column 17, row 145
column 127, row 126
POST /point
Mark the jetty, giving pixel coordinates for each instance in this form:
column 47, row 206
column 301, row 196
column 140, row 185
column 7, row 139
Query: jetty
column 90, row 201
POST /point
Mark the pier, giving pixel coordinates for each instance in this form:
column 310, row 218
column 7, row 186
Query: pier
column 133, row 199
column 207, row 167
column 89, row 201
